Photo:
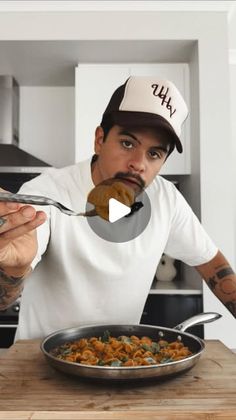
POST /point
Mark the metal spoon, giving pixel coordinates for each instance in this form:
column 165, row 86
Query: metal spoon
column 41, row 201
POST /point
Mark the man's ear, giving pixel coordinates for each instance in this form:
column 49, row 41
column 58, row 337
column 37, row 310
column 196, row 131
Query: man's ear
column 99, row 137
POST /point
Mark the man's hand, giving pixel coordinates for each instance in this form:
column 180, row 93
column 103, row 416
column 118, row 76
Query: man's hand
column 18, row 239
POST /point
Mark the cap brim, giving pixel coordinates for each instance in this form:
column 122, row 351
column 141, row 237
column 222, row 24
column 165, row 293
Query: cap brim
column 146, row 119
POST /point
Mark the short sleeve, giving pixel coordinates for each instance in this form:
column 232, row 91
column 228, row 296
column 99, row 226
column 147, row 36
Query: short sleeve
column 188, row 241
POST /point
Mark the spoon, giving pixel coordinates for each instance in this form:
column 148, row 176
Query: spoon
column 41, row 201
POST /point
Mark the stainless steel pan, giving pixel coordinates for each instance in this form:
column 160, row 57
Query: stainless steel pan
column 195, row 344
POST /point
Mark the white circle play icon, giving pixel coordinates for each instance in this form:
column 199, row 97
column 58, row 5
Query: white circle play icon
column 117, row 210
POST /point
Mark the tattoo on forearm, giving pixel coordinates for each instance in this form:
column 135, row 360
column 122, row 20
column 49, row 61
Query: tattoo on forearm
column 223, row 284
column 14, row 281
column 212, row 283
column 10, row 289
column 231, row 306
column 2, row 292
column 224, row 272
column 227, row 286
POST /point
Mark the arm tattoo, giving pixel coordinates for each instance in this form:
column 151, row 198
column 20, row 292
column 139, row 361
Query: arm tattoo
column 224, row 272
column 14, row 281
column 212, row 283
column 231, row 306
column 227, row 286
column 223, row 285
column 10, row 289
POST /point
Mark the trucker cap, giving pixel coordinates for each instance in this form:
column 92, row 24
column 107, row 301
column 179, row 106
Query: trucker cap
column 148, row 102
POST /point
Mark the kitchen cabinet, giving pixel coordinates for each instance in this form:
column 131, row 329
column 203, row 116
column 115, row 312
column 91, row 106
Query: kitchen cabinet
column 169, row 310
column 47, row 123
column 94, row 85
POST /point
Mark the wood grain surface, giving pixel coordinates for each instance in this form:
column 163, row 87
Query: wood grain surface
column 31, row 389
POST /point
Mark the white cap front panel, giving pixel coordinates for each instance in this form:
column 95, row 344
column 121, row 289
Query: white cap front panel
column 156, row 96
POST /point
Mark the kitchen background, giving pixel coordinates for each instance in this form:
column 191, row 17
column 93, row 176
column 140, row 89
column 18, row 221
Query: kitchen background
column 66, row 74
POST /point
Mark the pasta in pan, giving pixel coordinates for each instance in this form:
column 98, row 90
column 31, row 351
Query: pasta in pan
column 121, row 351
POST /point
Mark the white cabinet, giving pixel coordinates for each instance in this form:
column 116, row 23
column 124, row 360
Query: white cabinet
column 94, row 85
column 47, row 123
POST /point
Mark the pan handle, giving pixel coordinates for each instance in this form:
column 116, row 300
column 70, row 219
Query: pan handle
column 198, row 319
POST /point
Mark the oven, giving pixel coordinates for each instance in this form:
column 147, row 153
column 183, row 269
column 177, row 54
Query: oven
column 8, row 324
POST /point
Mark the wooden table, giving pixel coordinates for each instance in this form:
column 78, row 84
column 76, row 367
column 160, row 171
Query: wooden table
column 31, row 389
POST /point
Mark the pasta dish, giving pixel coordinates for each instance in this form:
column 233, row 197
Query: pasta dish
column 120, row 351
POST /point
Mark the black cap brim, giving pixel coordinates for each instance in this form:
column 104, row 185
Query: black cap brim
column 144, row 119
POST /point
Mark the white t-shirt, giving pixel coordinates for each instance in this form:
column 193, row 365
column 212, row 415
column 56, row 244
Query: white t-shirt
column 80, row 278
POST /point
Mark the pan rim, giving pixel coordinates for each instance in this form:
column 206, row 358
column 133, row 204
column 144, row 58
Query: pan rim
column 121, row 368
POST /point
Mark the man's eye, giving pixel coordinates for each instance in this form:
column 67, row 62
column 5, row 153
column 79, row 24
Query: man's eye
column 155, row 155
column 127, row 144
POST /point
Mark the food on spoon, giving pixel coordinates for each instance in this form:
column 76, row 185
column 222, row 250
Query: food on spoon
column 100, row 195
column 121, row 351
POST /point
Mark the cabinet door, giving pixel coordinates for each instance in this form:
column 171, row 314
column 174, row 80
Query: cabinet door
column 95, row 83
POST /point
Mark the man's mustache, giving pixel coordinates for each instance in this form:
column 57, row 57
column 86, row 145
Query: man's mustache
column 127, row 175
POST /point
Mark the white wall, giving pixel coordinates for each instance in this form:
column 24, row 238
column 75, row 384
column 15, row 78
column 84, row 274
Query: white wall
column 216, row 177
column 47, row 123
column 233, row 133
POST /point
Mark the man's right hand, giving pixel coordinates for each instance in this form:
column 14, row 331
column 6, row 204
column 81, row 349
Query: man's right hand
column 18, row 238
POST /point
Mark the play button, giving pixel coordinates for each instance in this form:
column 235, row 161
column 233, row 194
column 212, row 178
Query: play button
column 117, row 210
column 125, row 223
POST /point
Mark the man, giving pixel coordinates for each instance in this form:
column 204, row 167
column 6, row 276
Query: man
column 76, row 276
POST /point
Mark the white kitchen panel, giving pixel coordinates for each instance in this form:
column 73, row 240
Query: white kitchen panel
column 47, row 123
column 94, row 85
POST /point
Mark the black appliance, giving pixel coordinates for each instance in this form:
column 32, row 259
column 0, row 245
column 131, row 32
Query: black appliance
column 170, row 310
column 8, row 324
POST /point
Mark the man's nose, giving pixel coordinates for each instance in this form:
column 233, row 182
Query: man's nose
column 137, row 162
